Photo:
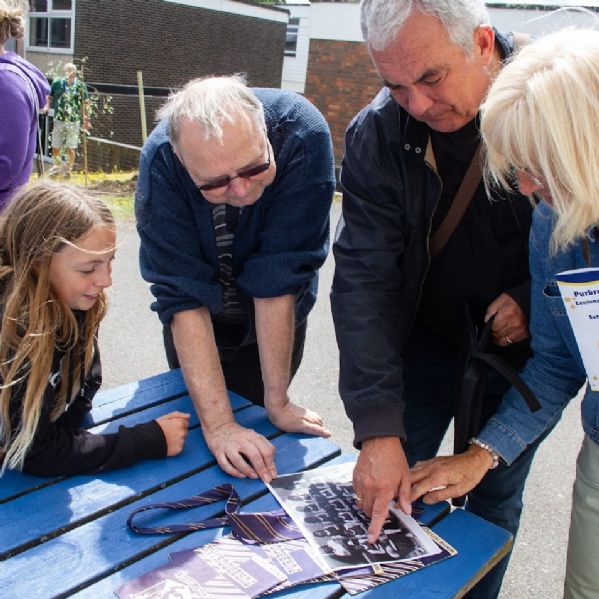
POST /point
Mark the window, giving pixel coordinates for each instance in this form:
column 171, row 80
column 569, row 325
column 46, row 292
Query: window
column 51, row 25
column 291, row 39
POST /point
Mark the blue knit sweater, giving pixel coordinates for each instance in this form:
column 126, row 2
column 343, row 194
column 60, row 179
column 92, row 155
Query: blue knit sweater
column 281, row 240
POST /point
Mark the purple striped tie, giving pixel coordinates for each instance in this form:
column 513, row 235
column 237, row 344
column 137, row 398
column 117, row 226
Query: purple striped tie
column 258, row 527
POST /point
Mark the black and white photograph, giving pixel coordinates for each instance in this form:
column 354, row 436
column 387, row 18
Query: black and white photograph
column 322, row 502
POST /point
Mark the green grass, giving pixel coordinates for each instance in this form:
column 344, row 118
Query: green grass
column 122, row 206
column 116, row 189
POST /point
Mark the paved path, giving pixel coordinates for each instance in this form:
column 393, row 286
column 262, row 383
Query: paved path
column 131, row 346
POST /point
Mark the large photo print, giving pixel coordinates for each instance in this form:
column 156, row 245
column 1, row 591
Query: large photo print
column 323, row 504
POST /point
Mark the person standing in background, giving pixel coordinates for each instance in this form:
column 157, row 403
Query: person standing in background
column 70, row 101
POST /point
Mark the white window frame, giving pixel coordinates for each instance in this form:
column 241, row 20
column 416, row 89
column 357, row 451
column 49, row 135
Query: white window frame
column 49, row 14
column 293, row 28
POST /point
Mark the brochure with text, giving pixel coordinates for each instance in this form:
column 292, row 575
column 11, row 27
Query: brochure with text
column 580, row 292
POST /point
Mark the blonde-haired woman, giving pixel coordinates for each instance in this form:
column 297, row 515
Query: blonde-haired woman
column 57, row 244
column 23, row 91
column 540, row 124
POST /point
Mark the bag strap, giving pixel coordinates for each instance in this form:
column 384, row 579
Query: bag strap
column 470, row 402
column 469, row 407
column 511, row 375
column 469, row 183
column 460, row 203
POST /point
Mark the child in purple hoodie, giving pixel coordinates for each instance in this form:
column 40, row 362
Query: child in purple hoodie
column 23, row 90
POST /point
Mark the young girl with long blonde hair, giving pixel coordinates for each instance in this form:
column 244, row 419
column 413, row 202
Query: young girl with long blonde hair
column 57, row 244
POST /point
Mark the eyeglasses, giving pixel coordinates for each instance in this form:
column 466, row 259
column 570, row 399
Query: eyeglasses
column 246, row 173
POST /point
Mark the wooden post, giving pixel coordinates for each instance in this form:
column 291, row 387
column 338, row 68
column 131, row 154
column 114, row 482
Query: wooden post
column 142, row 107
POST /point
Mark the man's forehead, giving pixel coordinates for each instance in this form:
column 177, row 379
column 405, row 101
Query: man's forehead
column 401, row 69
column 238, row 126
column 214, row 156
column 421, row 46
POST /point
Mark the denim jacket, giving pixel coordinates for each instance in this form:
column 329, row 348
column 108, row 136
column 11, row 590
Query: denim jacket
column 556, row 372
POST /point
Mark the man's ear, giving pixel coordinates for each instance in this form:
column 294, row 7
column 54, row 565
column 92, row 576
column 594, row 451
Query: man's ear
column 484, row 43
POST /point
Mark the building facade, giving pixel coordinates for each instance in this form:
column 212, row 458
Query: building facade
column 169, row 41
column 340, row 78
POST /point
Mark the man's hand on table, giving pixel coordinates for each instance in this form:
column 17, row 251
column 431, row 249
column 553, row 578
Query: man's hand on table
column 292, row 418
column 380, row 476
column 174, row 425
column 446, row 477
column 242, row 452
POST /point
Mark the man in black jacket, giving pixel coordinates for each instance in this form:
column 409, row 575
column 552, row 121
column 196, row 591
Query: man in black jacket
column 399, row 311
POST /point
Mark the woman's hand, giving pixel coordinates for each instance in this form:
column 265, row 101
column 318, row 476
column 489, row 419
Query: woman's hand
column 447, row 477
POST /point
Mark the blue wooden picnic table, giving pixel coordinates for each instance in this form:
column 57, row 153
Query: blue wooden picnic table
column 68, row 536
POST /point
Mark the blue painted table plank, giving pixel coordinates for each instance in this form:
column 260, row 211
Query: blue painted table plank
column 182, row 403
column 97, row 548
column 149, row 390
column 428, row 515
column 73, row 499
column 13, row 484
column 123, row 400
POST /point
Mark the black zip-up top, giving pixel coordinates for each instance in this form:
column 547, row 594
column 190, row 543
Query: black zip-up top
column 63, row 447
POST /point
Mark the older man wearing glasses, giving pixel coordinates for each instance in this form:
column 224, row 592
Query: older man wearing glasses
column 233, row 200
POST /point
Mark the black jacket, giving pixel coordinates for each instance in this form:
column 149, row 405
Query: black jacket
column 381, row 254
column 62, row 447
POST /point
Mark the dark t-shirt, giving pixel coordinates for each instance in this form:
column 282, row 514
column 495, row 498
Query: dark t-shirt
column 485, row 256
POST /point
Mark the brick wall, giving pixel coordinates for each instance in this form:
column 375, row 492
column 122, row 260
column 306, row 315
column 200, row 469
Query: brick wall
column 340, row 81
column 170, row 44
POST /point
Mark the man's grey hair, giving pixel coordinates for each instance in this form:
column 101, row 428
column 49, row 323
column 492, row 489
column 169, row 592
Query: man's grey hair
column 210, row 102
column 382, row 20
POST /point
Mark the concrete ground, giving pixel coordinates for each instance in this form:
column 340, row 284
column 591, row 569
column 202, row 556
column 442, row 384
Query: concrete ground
column 131, row 345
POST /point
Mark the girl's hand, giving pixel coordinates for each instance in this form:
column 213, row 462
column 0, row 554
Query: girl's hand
column 174, row 426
